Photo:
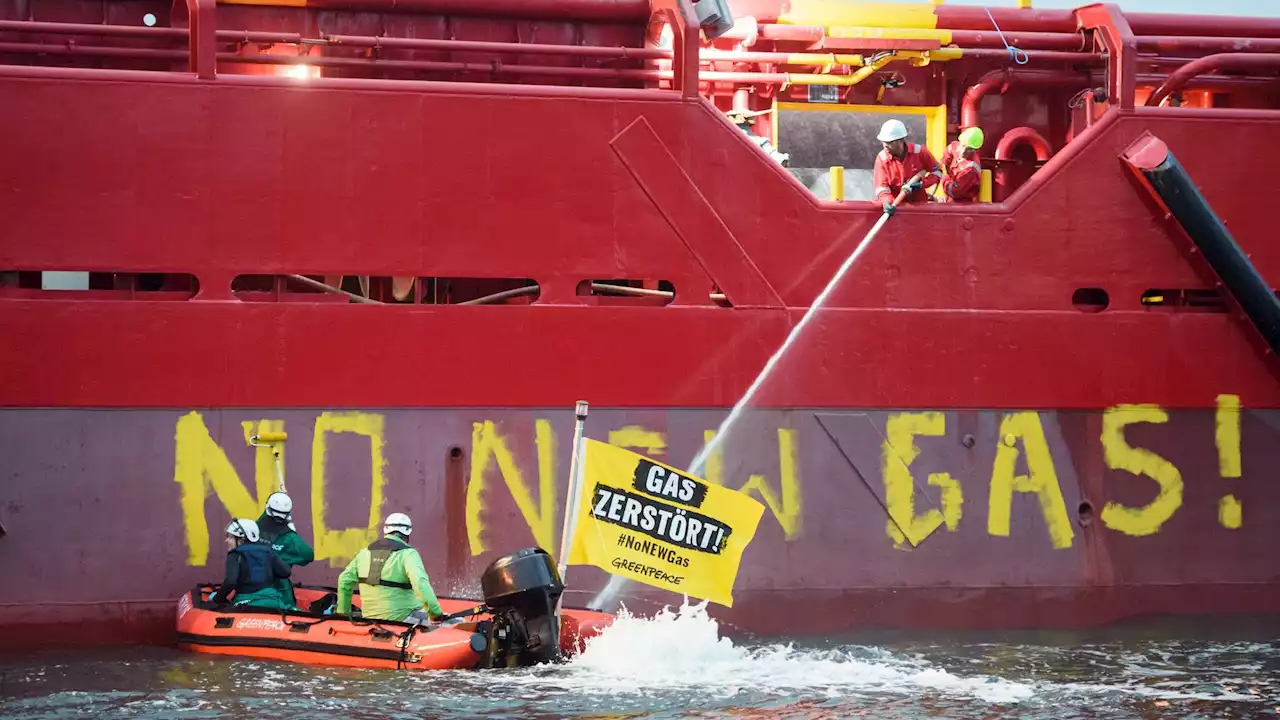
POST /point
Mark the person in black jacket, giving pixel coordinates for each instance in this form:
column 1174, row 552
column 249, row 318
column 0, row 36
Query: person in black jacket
column 253, row 570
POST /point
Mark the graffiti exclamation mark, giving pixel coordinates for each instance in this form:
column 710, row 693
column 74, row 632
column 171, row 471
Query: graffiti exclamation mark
column 1227, row 438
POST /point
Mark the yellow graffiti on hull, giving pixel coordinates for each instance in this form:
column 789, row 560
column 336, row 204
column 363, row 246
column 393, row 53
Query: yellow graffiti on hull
column 898, row 452
column 1226, row 435
column 643, row 440
column 340, row 545
column 1041, row 479
column 786, row 502
column 1120, row 455
column 540, row 516
column 200, row 465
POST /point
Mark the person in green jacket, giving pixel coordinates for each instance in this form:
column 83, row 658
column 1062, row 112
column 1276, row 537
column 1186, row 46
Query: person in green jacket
column 253, row 570
column 393, row 583
column 278, row 530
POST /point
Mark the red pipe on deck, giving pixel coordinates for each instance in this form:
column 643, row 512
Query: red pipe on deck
column 968, row 17
column 1004, row 151
column 996, row 78
column 570, row 10
column 1196, row 25
column 1223, row 83
column 499, row 47
column 1197, row 44
column 1040, row 55
column 1212, row 63
column 481, row 68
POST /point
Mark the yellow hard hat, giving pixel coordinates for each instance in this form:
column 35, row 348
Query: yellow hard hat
column 972, row 137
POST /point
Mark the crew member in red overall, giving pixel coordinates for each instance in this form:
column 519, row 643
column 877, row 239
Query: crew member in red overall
column 898, row 163
column 964, row 172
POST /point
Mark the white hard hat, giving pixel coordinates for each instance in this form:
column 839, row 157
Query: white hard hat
column 243, row 528
column 892, row 130
column 279, row 505
column 398, row 522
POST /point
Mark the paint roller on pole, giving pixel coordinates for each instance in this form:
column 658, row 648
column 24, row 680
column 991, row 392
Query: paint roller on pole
column 275, row 441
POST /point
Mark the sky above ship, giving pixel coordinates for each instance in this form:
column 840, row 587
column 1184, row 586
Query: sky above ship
column 1251, row 8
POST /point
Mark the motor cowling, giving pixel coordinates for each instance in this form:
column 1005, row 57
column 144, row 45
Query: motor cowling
column 521, row 590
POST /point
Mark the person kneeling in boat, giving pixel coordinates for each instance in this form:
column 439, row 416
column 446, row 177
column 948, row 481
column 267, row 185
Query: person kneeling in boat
column 276, row 526
column 393, row 582
column 253, row 570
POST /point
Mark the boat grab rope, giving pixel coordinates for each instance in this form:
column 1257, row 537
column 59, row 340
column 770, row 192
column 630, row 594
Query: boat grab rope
column 1018, row 55
column 405, row 638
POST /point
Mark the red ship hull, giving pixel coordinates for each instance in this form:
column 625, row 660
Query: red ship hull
column 993, row 423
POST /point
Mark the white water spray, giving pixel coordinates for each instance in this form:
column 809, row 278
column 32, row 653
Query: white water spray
column 678, row 655
column 617, row 582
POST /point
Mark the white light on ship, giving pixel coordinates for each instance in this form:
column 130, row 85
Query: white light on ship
column 300, row 71
column 149, row 20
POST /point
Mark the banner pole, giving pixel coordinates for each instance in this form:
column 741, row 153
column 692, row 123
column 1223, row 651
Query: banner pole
column 575, row 490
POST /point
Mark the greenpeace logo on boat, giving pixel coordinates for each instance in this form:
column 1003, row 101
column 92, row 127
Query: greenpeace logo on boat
column 660, row 521
column 259, row 624
column 184, row 605
column 642, row 569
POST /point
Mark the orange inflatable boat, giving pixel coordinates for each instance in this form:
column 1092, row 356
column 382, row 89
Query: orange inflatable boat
column 513, row 627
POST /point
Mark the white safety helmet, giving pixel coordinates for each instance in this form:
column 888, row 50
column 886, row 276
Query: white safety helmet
column 243, row 528
column 892, row 130
column 398, row 523
column 279, row 506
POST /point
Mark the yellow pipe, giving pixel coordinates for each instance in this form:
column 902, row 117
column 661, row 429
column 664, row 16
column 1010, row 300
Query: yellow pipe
column 864, row 72
column 843, row 12
column 984, row 188
column 837, row 183
column 821, row 59
column 889, row 33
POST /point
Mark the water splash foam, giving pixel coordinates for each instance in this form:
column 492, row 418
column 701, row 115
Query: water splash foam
column 682, row 650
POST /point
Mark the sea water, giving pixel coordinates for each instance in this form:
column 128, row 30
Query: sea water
column 679, row 663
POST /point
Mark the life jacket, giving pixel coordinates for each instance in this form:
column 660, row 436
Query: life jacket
column 255, row 568
column 379, row 553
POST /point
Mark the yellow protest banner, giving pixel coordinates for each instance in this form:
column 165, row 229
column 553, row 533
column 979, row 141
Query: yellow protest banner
column 654, row 524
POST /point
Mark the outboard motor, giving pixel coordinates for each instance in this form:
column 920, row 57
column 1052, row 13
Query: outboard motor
column 521, row 590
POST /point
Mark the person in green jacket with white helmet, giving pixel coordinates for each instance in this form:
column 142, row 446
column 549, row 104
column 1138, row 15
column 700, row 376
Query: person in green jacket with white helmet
column 278, row 530
column 393, row 582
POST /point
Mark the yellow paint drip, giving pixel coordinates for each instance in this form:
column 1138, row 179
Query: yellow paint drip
column 1230, row 513
column 842, row 12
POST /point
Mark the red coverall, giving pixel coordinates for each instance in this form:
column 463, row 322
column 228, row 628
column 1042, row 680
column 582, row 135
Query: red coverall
column 964, row 175
column 890, row 173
